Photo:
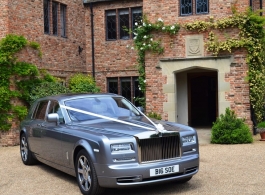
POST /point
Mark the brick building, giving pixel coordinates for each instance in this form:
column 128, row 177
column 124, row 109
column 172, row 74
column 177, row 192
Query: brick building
column 184, row 84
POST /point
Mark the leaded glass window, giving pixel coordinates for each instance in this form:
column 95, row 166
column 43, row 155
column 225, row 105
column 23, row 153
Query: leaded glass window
column 186, row 7
column 137, row 92
column 46, row 10
column 63, row 20
column 111, row 25
column 125, row 18
column 124, row 23
column 127, row 87
column 54, row 18
column 54, row 23
column 113, row 85
column 202, row 6
column 136, row 16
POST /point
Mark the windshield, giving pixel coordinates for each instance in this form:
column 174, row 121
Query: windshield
column 112, row 107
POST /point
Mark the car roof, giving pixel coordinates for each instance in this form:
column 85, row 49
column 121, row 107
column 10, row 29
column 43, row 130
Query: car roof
column 62, row 97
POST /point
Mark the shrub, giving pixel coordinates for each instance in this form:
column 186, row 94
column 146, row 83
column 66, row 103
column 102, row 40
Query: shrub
column 228, row 129
column 81, row 83
column 154, row 115
column 46, row 89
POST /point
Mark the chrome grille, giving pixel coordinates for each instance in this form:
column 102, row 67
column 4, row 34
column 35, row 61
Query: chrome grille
column 160, row 148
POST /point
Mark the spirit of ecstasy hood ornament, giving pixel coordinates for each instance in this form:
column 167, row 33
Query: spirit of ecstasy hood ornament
column 159, row 128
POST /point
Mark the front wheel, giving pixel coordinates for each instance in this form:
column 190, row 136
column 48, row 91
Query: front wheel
column 26, row 154
column 86, row 174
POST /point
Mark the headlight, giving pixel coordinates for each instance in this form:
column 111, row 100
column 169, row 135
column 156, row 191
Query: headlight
column 189, row 139
column 124, row 147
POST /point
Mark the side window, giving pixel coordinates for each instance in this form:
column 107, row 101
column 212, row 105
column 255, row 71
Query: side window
column 55, row 108
column 40, row 111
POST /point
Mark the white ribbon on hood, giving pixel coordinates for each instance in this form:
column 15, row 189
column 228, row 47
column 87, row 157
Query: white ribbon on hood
column 159, row 127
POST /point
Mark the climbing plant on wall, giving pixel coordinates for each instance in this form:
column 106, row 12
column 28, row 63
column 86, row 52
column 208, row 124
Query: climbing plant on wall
column 13, row 72
column 144, row 41
column 251, row 36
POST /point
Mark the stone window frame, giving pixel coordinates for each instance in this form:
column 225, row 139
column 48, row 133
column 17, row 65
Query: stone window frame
column 116, row 19
column 191, row 7
column 55, row 17
column 118, row 83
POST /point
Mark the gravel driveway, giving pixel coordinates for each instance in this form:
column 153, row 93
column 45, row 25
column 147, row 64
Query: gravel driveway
column 224, row 169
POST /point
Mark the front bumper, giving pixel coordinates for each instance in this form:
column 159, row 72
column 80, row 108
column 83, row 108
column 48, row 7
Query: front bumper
column 135, row 174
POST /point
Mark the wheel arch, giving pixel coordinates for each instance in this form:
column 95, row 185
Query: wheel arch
column 83, row 144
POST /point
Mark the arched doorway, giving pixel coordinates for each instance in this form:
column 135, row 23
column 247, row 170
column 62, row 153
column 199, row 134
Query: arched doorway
column 202, row 98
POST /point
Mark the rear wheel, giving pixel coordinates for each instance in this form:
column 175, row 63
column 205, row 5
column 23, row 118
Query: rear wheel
column 26, row 154
column 86, row 174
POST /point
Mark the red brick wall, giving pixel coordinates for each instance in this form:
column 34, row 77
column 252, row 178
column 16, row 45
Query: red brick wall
column 60, row 55
column 112, row 58
column 3, row 18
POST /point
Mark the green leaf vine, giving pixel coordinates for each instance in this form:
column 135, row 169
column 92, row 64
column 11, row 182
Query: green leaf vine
column 144, row 40
column 13, row 72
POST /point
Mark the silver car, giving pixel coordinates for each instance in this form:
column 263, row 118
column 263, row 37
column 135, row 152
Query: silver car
column 106, row 142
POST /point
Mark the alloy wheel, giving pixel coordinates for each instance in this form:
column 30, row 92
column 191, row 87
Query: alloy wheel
column 84, row 173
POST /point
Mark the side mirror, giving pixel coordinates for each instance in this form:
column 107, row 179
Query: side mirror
column 53, row 117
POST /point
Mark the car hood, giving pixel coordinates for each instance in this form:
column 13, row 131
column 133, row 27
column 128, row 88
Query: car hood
column 143, row 129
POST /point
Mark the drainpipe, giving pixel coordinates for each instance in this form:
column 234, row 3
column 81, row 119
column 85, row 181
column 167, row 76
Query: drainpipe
column 92, row 39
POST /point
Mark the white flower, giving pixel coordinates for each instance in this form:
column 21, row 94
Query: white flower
column 134, row 37
column 127, row 46
column 163, row 28
column 149, row 24
column 172, row 27
column 143, row 44
column 132, row 48
column 144, row 24
column 151, row 39
column 140, row 88
column 135, row 33
column 141, row 48
column 145, row 36
column 144, row 81
column 149, row 45
column 160, row 20
column 136, row 24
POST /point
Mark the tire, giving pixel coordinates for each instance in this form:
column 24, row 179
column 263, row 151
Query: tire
column 185, row 180
column 86, row 174
column 26, row 155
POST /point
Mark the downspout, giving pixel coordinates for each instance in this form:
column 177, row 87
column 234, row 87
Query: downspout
column 92, row 39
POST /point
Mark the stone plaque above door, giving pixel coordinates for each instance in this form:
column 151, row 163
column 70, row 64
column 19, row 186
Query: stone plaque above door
column 194, row 46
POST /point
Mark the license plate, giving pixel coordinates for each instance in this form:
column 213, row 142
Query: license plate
column 164, row 170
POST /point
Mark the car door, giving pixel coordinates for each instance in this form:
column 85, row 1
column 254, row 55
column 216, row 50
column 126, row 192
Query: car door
column 35, row 131
column 52, row 135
